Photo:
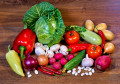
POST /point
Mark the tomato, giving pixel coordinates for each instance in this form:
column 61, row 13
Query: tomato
column 94, row 51
column 72, row 37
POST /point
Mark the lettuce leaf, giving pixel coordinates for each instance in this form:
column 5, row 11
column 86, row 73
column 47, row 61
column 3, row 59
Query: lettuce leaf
column 50, row 29
column 33, row 14
column 46, row 21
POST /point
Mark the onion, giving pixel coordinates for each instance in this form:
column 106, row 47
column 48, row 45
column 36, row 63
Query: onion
column 30, row 63
column 42, row 60
column 102, row 62
column 109, row 48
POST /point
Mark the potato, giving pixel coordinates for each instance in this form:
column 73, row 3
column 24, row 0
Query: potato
column 100, row 26
column 89, row 25
column 108, row 35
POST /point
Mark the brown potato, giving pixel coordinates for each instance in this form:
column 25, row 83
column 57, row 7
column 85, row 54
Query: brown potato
column 100, row 26
column 89, row 25
column 108, row 35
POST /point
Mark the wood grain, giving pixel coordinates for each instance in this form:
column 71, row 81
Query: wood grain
column 74, row 12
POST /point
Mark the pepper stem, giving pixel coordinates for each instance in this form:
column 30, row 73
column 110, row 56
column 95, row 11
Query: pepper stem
column 8, row 47
column 22, row 49
column 69, row 50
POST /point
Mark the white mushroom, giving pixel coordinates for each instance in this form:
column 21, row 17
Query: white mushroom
column 63, row 50
column 55, row 48
column 50, row 53
column 39, row 51
column 38, row 44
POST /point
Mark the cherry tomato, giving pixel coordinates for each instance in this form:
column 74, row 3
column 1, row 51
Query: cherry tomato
column 94, row 51
column 72, row 37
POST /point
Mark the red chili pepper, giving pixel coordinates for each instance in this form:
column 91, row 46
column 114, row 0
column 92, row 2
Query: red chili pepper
column 78, row 47
column 52, row 70
column 46, row 72
column 24, row 42
column 103, row 38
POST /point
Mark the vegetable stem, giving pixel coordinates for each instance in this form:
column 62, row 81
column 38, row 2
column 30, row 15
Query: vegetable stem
column 8, row 47
column 22, row 49
column 64, row 69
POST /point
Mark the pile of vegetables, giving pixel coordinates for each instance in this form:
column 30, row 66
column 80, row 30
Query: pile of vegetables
column 44, row 29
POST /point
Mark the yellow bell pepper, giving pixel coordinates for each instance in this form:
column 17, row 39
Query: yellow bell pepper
column 14, row 61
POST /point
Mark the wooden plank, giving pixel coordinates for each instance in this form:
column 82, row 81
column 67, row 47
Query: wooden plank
column 74, row 12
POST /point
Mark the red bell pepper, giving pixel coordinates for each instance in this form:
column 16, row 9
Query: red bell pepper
column 78, row 47
column 24, row 42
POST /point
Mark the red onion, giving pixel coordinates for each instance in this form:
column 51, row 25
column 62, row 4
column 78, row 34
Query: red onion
column 30, row 63
column 102, row 62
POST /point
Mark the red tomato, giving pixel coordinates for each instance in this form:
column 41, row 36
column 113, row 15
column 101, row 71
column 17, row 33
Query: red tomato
column 72, row 37
column 94, row 51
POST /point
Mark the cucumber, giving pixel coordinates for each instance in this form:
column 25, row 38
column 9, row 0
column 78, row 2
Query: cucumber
column 75, row 61
column 91, row 37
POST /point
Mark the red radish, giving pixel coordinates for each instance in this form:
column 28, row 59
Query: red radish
column 56, row 66
column 58, row 56
column 63, row 61
column 102, row 62
column 70, row 56
column 52, row 60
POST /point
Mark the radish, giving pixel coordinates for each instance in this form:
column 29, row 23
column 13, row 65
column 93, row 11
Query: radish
column 56, row 66
column 58, row 56
column 102, row 62
column 70, row 56
column 63, row 61
column 52, row 60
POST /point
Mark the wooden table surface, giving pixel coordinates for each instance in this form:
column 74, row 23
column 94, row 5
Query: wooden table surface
column 74, row 12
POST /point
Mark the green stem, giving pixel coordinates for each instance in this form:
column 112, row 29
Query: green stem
column 69, row 50
column 8, row 47
column 22, row 49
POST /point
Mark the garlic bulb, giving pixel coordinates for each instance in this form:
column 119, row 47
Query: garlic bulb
column 87, row 62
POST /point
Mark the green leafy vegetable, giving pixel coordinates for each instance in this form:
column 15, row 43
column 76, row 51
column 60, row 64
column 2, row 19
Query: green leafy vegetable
column 33, row 14
column 46, row 21
column 50, row 30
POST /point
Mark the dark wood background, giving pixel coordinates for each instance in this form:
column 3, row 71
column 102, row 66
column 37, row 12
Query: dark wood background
column 74, row 12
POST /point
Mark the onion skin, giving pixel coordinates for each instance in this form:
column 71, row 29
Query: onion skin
column 42, row 60
column 102, row 62
column 109, row 48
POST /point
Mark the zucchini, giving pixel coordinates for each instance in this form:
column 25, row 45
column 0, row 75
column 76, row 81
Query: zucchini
column 75, row 61
column 91, row 37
